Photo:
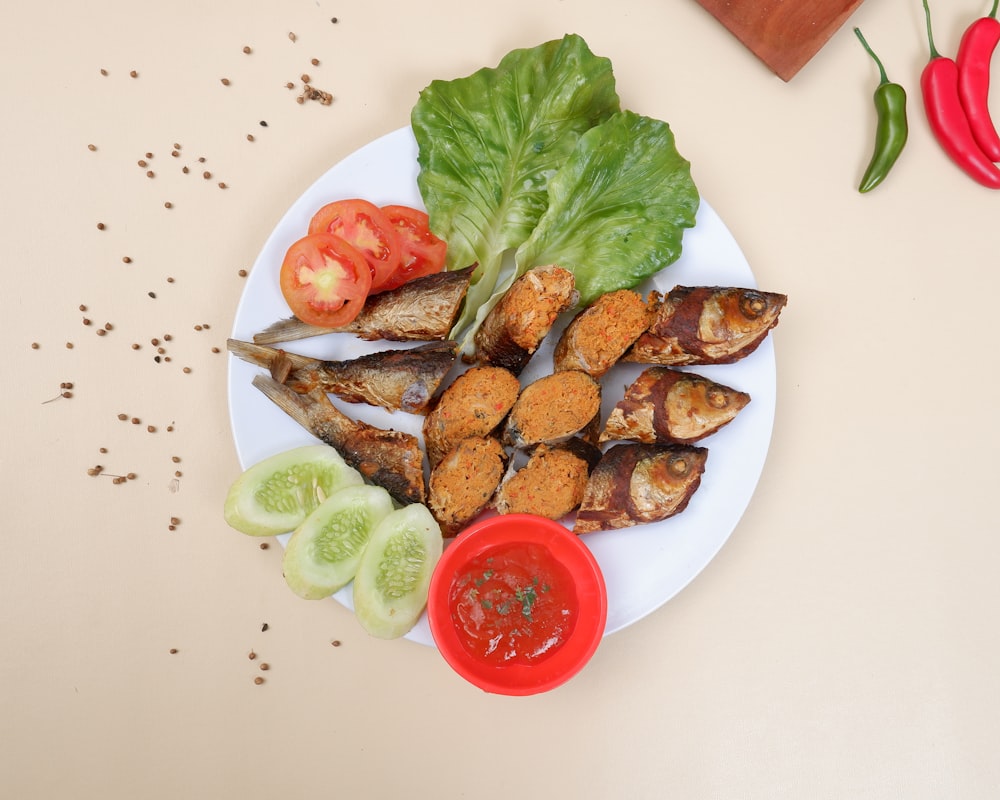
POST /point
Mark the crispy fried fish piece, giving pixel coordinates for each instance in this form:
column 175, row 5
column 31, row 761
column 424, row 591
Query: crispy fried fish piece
column 390, row 459
column 474, row 404
column 707, row 325
column 600, row 334
column 423, row 309
column 668, row 405
column 404, row 379
column 515, row 327
column 551, row 484
column 464, row 481
column 553, row 408
column 637, row 483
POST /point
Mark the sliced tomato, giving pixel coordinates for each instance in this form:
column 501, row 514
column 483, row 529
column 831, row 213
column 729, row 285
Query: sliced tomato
column 365, row 226
column 325, row 280
column 422, row 253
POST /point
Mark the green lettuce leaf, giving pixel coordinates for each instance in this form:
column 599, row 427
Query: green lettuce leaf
column 489, row 143
column 617, row 208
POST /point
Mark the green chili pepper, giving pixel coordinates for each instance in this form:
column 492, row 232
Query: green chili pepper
column 891, row 131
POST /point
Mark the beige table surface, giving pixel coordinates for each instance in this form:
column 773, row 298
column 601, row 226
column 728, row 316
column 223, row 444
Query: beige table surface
column 844, row 642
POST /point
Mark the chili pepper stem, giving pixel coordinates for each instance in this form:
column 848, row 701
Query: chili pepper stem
column 881, row 70
column 993, row 11
column 930, row 33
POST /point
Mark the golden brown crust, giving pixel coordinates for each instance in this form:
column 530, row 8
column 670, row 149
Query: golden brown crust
column 600, row 334
column 707, row 325
column 667, row 405
column 464, row 482
column 474, row 404
column 639, row 483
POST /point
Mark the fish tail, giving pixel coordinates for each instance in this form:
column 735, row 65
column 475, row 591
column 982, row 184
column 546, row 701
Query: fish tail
column 313, row 410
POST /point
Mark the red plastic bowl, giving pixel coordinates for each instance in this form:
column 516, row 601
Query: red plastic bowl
column 564, row 547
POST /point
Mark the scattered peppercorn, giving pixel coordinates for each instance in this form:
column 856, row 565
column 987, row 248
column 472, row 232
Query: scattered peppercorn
column 101, row 226
column 247, row 49
column 123, row 417
column 335, row 642
column 135, row 420
column 168, row 204
column 263, row 123
column 69, row 345
column 251, row 655
column 149, row 155
column 104, row 71
column 152, row 294
column 258, row 680
column 206, row 175
column 242, row 273
column 102, row 450
column 175, row 459
column 292, row 36
column 186, row 370
column 173, row 650
column 150, row 174
column 92, row 147
column 126, row 260
column 35, row 345
column 135, row 345
column 222, row 185
column 264, row 666
column 142, row 163
column 101, row 332
column 305, row 78
column 264, row 627
column 214, row 349
column 250, row 137
column 133, row 74
column 225, row 81
column 86, row 321
column 264, row 546
column 185, row 170
column 151, row 428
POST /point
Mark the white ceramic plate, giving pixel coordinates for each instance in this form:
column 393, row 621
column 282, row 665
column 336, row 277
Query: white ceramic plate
column 643, row 566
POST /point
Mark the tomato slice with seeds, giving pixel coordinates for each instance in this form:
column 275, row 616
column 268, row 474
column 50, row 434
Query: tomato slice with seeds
column 366, row 227
column 422, row 253
column 325, row 280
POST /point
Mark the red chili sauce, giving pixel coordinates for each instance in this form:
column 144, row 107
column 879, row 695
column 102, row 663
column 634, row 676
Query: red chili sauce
column 513, row 604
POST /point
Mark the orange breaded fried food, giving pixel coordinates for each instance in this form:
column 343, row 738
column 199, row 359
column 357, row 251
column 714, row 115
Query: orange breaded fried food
column 600, row 334
column 553, row 481
column 517, row 324
column 553, row 408
column 464, row 482
column 474, row 404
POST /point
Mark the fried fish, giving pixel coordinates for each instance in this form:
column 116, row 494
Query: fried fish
column 668, row 405
column 638, row 483
column 390, row 459
column 397, row 380
column 707, row 325
column 423, row 309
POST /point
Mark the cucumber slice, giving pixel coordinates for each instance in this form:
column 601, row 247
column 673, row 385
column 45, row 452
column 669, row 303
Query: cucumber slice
column 390, row 588
column 322, row 555
column 277, row 494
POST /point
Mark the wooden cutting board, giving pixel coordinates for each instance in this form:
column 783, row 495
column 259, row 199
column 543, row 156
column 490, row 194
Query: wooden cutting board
column 784, row 34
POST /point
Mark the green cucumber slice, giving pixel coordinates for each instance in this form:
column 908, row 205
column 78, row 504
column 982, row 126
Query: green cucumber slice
column 277, row 494
column 323, row 553
column 390, row 588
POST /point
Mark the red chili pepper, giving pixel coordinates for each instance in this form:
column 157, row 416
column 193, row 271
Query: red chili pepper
column 975, row 53
column 939, row 86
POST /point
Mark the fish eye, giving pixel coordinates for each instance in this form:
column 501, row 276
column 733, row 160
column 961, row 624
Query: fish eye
column 752, row 304
column 678, row 466
column 716, row 397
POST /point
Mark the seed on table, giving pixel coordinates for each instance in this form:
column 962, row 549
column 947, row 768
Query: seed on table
column 335, row 642
column 333, row 20
column 222, row 185
column 186, row 370
column 305, row 78
column 103, row 450
column 185, row 170
column 150, row 174
column 251, row 655
column 264, row 545
column 206, row 175
column 178, row 474
column 250, row 137
column 152, row 294
column 126, row 260
column 258, row 680
column 167, row 337
column 175, row 521
column 149, row 155
column 108, row 326
column 173, row 650
column 168, row 204
column 264, row 627
column 263, row 123
column 214, row 349
column 131, row 476
column 201, row 159
column 154, row 342
column 86, row 321
column 175, row 459
column 104, row 71
column 247, row 50
column 135, row 420
column 289, row 85
column 160, row 350
column 225, row 81
column 101, row 332
column 101, row 226
column 151, row 428
column 93, row 471
column 292, row 36
column 91, row 147
column 265, row 666
column 69, row 345
column 123, row 417
column 175, row 153
column 83, row 307
column 133, row 74
column 177, row 146
column 142, row 163
column 135, row 345
column 35, row 345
